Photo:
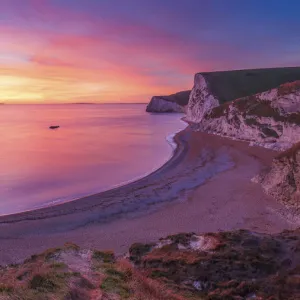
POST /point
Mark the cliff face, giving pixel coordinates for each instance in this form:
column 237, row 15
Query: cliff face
column 172, row 103
column 159, row 104
column 270, row 119
column 216, row 88
column 201, row 100
column 282, row 179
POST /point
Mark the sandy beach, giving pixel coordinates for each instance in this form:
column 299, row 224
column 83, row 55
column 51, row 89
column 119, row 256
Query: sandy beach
column 206, row 186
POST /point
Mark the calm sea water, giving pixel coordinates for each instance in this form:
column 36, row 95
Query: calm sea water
column 96, row 147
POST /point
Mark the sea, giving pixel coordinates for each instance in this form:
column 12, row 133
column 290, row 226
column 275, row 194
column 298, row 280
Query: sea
column 97, row 147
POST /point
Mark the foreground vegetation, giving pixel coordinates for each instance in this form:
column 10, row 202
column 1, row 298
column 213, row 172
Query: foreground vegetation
column 71, row 273
column 225, row 265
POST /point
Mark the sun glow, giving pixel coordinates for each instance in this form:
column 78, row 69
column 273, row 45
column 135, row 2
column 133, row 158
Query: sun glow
column 39, row 64
column 18, row 88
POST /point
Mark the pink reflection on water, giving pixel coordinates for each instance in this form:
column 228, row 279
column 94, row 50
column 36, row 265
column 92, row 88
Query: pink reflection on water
column 95, row 148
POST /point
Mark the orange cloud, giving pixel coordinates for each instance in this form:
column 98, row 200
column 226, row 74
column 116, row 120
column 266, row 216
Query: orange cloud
column 41, row 66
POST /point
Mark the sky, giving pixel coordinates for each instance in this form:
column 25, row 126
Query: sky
column 60, row 51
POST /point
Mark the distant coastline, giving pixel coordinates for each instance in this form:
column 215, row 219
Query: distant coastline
column 79, row 103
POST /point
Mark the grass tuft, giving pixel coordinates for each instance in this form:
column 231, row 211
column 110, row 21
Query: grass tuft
column 71, row 246
column 115, row 273
column 115, row 285
column 58, row 265
column 5, row 288
column 105, row 256
column 43, row 283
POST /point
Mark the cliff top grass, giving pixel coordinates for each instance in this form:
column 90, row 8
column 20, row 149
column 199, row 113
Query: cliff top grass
column 230, row 85
column 181, row 98
column 253, row 106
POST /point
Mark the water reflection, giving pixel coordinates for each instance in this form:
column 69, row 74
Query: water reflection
column 96, row 147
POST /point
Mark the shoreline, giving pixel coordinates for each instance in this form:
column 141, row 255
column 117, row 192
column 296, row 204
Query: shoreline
column 175, row 155
column 171, row 141
column 180, row 196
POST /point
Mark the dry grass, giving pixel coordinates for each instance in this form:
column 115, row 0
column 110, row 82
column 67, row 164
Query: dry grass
column 144, row 288
column 288, row 88
column 44, row 277
column 241, row 264
column 69, row 273
column 105, row 256
column 163, row 273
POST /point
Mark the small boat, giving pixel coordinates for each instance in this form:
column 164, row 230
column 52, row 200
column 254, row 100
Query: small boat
column 53, row 126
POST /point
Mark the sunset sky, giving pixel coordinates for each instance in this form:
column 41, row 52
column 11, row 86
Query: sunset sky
column 56, row 51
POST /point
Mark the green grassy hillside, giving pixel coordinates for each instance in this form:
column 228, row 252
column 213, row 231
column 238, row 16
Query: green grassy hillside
column 181, row 98
column 230, row 85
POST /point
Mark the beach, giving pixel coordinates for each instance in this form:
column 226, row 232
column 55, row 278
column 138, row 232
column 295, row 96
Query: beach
column 206, row 186
column 92, row 151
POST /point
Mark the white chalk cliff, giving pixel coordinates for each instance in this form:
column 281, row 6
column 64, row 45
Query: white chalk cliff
column 159, row 104
column 201, row 100
column 172, row 103
column 270, row 119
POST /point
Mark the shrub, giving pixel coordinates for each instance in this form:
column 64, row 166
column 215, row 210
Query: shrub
column 5, row 288
column 112, row 284
column 42, row 282
column 105, row 256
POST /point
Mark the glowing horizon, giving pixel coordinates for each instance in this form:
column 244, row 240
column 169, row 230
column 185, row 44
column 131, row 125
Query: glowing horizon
column 66, row 51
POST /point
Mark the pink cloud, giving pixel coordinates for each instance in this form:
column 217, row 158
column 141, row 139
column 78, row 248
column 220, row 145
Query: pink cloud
column 134, row 58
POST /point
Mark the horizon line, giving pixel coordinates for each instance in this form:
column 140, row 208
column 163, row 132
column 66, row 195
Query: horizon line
column 73, row 103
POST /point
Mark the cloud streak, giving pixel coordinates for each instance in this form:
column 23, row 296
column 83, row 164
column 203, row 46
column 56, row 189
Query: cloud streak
column 105, row 51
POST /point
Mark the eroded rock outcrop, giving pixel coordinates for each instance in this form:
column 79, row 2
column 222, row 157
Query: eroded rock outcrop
column 270, row 119
column 172, row 103
column 212, row 89
column 282, row 179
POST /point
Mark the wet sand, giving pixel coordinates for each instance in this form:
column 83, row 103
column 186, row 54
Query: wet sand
column 204, row 187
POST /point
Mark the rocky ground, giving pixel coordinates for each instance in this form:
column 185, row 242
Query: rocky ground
column 225, row 265
column 282, row 179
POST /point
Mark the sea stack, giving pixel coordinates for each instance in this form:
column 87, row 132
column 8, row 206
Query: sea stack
column 54, row 126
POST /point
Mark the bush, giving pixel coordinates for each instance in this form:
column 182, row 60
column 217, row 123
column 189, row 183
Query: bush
column 105, row 256
column 42, row 282
column 5, row 288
